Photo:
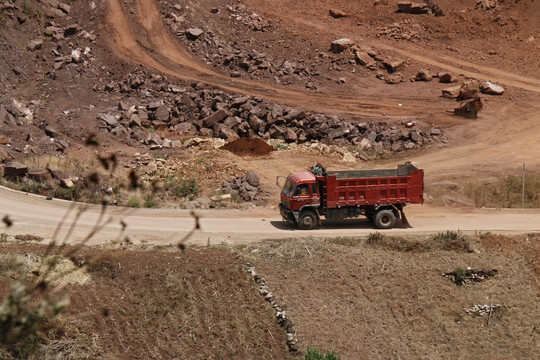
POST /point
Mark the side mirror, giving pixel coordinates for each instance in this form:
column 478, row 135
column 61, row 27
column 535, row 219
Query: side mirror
column 280, row 181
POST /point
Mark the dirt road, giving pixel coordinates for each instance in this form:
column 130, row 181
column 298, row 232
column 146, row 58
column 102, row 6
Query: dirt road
column 35, row 215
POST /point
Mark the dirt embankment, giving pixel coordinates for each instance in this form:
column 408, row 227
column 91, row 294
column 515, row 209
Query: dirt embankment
column 395, row 296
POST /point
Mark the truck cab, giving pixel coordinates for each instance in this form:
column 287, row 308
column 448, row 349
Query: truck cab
column 300, row 195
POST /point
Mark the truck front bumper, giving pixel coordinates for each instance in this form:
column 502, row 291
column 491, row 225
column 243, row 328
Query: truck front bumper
column 287, row 214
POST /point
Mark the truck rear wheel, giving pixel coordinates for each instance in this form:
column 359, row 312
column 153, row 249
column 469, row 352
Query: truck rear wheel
column 307, row 220
column 385, row 219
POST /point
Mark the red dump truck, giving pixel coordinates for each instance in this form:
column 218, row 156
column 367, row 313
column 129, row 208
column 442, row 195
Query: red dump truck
column 379, row 195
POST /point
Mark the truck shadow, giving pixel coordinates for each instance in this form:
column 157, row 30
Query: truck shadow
column 336, row 224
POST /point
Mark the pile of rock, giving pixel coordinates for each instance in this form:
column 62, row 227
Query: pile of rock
column 247, row 186
column 197, row 111
column 483, row 309
column 281, row 316
column 468, row 275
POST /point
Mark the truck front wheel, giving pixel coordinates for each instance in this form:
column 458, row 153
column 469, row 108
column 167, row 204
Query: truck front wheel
column 307, row 220
column 385, row 219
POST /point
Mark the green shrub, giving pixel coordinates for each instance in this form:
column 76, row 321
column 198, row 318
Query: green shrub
column 187, row 187
column 150, row 201
column 72, row 193
column 315, row 354
column 375, row 238
column 134, row 202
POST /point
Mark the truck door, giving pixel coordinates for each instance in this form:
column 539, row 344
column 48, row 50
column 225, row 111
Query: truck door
column 301, row 196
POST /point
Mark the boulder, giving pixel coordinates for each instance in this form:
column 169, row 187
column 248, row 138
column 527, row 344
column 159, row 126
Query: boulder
column 340, row 45
column 276, row 131
column 39, row 175
column 470, row 108
column 162, row 114
column 253, row 179
column 14, row 170
column 71, row 30
column 488, row 87
column 468, row 90
column 412, row 7
column 451, row 92
column 445, row 77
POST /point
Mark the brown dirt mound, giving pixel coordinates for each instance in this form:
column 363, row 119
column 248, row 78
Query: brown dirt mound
column 249, row 146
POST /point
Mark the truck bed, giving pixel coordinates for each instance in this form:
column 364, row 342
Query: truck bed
column 401, row 170
column 372, row 187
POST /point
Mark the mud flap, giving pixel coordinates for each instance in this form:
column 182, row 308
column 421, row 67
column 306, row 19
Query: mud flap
column 404, row 221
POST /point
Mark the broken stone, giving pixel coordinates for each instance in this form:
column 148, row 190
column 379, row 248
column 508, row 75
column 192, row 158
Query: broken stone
column 185, row 129
column 364, row 59
column 4, row 155
column 109, row 120
column 67, row 183
column 423, row 75
column 50, row 131
column 64, row 7
column 336, row 13
column 340, row 45
column 135, row 120
column 394, row 79
column 224, row 132
column 488, row 87
column 19, row 110
column 348, row 158
column 215, row 118
column 290, row 135
column 153, row 138
column 393, row 64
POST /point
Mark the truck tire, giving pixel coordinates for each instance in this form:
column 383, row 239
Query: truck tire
column 307, row 220
column 385, row 219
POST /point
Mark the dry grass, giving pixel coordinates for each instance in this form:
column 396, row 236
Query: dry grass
column 196, row 304
column 394, row 302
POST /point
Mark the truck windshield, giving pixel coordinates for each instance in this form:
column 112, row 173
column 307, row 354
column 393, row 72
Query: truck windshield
column 288, row 188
